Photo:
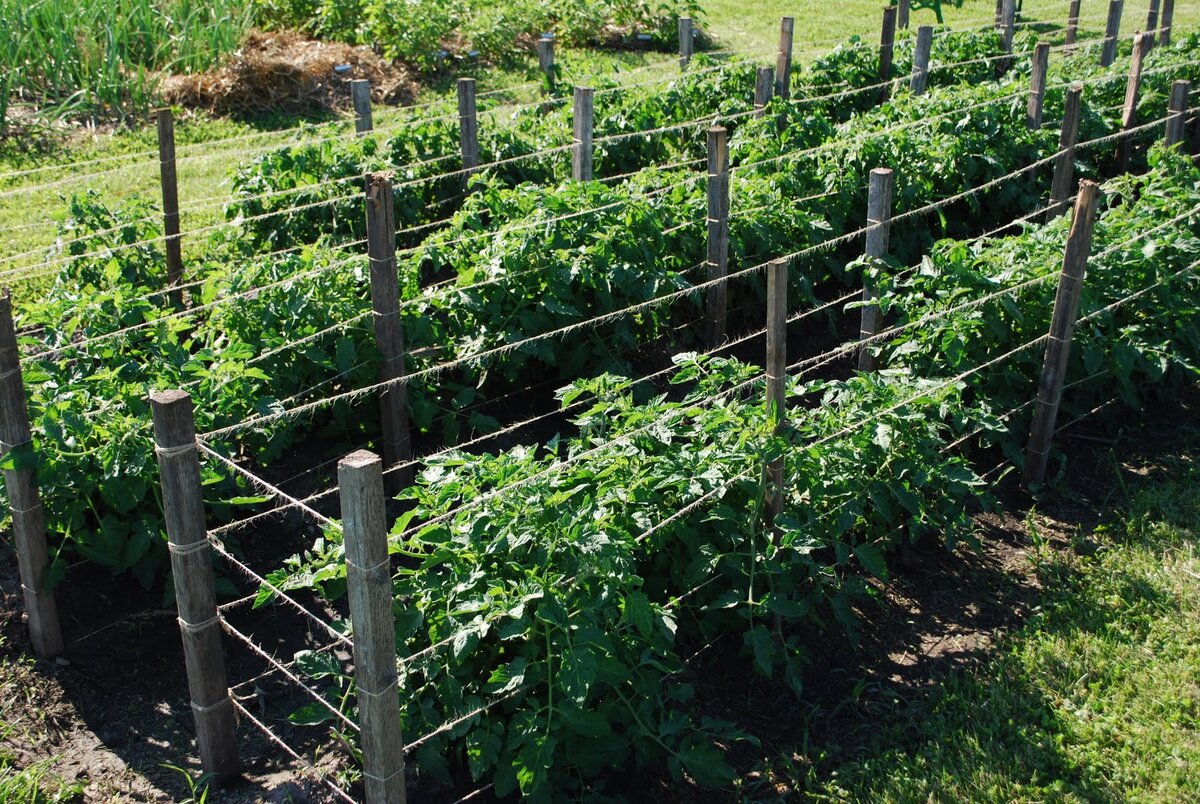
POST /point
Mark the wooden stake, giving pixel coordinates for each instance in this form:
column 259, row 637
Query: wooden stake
column 170, row 199
column 1072, row 23
column 389, row 328
column 1008, row 26
column 1152, row 23
column 468, row 125
column 902, row 11
column 879, row 215
column 369, row 589
column 191, row 571
column 581, row 154
column 718, row 233
column 24, row 499
column 1164, row 24
column 1037, row 85
column 1141, row 46
column 546, row 58
column 1178, row 112
column 1062, row 326
column 1064, row 162
column 360, row 95
column 1108, row 53
column 776, row 372
column 887, row 46
column 783, row 62
column 764, row 84
column 687, row 42
column 920, row 73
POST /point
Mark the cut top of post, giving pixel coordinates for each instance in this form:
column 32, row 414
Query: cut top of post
column 718, row 151
column 173, row 424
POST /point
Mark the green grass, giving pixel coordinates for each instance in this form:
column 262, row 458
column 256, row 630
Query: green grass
column 1095, row 697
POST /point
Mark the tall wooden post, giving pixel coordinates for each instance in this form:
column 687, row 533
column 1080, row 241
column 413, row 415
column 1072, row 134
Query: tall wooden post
column 1178, row 112
column 783, row 61
column 687, row 42
column 1112, row 28
column 24, row 499
column 1008, row 27
column 879, row 230
column 581, row 154
column 1165, row 23
column 170, row 201
column 1141, row 46
column 902, row 12
column 1064, row 162
column 1062, row 326
column 1072, row 23
column 1152, row 23
column 369, row 588
column 360, row 95
column 887, row 48
column 718, row 234
column 546, row 58
column 191, row 571
column 764, row 84
column 776, row 372
column 468, row 125
column 389, row 328
column 920, row 73
column 1037, row 85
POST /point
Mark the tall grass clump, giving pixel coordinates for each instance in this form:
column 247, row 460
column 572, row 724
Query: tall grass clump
column 97, row 59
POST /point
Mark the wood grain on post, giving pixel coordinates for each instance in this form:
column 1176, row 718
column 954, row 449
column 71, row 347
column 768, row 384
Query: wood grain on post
column 546, row 58
column 879, row 229
column 903, row 8
column 581, row 153
column 1152, row 23
column 783, row 61
column 1072, row 23
column 24, row 499
column 1064, row 162
column 389, row 328
column 1165, row 23
column 1037, row 85
column 1178, row 112
column 1112, row 28
column 764, row 85
column 191, row 572
column 718, row 234
column 920, row 73
column 369, row 589
column 1062, row 326
column 360, row 95
column 1008, row 27
column 776, row 372
column 1141, row 46
column 687, row 41
column 468, row 125
column 887, row 50
column 170, row 200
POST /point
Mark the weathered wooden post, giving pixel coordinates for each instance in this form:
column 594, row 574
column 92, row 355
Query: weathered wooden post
column 764, row 84
column 1064, row 162
column 1152, row 23
column 1062, row 326
column 170, row 200
column 920, row 73
column 1037, row 85
column 360, row 96
column 1141, row 46
column 777, row 280
column 24, row 499
column 783, row 61
column 369, row 589
column 191, row 572
column 903, row 8
column 887, row 48
column 879, row 230
column 718, row 234
column 545, row 48
column 687, row 42
column 1164, row 24
column 1178, row 112
column 1072, row 23
column 389, row 328
column 468, row 126
column 1112, row 28
column 581, row 155
column 1008, row 27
